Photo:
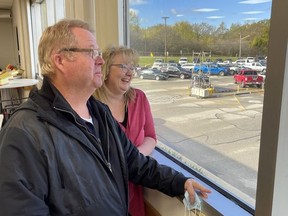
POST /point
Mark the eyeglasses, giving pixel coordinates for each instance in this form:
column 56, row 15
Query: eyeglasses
column 93, row 52
column 125, row 68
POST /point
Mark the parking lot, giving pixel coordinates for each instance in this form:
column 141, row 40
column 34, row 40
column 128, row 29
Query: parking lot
column 220, row 133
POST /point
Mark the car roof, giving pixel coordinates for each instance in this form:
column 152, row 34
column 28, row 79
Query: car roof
column 248, row 70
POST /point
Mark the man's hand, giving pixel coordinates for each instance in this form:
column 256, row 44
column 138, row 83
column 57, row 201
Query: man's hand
column 191, row 186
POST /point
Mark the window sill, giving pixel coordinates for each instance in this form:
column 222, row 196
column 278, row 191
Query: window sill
column 218, row 203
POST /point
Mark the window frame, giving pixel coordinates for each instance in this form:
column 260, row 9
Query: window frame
column 272, row 190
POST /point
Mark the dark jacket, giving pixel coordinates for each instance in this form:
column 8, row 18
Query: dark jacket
column 50, row 164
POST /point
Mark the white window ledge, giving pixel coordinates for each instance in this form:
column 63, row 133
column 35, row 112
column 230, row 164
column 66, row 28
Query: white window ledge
column 218, row 202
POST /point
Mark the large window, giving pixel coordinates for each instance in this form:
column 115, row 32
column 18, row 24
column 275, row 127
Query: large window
column 215, row 133
column 208, row 122
column 43, row 14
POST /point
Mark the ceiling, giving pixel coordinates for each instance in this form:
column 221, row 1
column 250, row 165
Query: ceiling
column 6, row 4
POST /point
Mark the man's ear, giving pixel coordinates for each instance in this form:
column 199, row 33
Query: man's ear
column 59, row 61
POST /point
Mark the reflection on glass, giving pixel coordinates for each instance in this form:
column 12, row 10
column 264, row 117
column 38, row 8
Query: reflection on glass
column 214, row 129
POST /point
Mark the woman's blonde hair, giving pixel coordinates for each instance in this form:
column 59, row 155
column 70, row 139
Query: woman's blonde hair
column 55, row 38
column 109, row 55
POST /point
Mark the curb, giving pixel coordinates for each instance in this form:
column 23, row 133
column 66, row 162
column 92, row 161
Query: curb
column 229, row 93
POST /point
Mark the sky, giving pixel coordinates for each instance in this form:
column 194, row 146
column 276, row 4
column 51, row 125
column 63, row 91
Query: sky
column 213, row 12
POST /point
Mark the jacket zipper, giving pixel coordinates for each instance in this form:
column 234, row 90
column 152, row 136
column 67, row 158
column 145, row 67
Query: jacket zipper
column 108, row 143
column 107, row 161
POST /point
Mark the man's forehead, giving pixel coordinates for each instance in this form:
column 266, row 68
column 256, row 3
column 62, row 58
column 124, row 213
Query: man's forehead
column 85, row 36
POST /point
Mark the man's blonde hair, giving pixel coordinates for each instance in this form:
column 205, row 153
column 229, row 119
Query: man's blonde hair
column 108, row 55
column 54, row 38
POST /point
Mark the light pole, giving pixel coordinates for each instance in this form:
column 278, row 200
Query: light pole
column 145, row 45
column 240, row 43
column 165, row 18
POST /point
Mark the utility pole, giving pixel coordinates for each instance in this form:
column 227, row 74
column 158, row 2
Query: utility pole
column 165, row 18
column 240, row 44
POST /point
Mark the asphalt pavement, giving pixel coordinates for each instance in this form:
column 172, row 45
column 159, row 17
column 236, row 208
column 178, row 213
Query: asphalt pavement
column 220, row 133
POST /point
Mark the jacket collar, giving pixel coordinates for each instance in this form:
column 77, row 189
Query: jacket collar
column 51, row 93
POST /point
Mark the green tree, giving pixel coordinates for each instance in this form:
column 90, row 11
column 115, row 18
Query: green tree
column 184, row 38
column 260, row 42
column 136, row 38
column 134, row 22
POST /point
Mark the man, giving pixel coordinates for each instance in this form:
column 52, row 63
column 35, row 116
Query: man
column 61, row 152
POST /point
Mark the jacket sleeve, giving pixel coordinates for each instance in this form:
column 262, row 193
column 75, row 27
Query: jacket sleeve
column 146, row 171
column 23, row 180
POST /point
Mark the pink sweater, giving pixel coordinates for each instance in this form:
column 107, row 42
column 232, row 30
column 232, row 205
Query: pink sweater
column 140, row 124
column 140, row 121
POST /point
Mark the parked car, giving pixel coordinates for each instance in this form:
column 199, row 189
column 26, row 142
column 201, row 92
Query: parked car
column 250, row 59
column 153, row 74
column 256, row 66
column 172, row 71
column 189, row 66
column 233, row 69
column 263, row 74
column 248, row 77
column 263, row 62
column 158, row 65
column 218, row 61
column 183, row 60
column 159, row 60
column 239, row 62
column 173, row 63
column 211, row 69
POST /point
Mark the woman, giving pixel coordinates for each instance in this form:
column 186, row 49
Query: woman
column 130, row 107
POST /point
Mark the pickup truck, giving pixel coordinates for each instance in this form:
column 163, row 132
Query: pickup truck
column 210, row 69
column 257, row 66
column 248, row 77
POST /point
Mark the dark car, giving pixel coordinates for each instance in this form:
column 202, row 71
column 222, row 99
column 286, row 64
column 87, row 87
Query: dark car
column 173, row 63
column 152, row 74
column 173, row 71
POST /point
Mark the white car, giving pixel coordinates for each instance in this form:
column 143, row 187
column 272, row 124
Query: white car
column 183, row 60
column 239, row 62
column 257, row 66
column 158, row 65
column 250, row 59
column 189, row 66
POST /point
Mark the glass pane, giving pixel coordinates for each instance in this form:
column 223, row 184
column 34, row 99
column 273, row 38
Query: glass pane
column 210, row 120
column 44, row 14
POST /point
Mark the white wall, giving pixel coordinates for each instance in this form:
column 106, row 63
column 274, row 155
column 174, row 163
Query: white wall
column 8, row 48
column 103, row 15
column 21, row 20
column 272, row 186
